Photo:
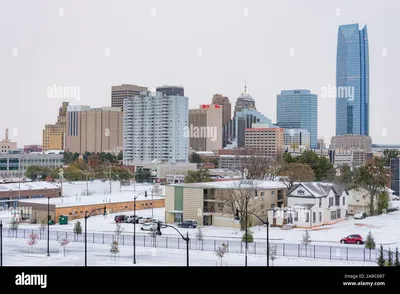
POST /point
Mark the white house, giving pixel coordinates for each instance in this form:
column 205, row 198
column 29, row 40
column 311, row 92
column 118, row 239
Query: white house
column 359, row 200
column 313, row 204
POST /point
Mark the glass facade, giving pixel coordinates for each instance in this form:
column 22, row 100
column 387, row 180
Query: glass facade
column 352, row 81
column 298, row 109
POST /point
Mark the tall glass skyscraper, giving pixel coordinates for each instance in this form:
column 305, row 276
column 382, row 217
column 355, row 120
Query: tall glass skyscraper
column 352, row 81
column 298, row 109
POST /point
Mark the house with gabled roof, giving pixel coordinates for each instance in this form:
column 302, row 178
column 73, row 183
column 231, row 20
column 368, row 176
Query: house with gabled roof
column 314, row 204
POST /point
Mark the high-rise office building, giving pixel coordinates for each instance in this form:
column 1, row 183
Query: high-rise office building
column 226, row 107
column 265, row 141
column 120, row 93
column 171, row 90
column 352, row 81
column 298, row 109
column 352, row 142
column 6, row 144
column 93, row 129
column 155, row 129
column 54, row 134
column 395, row 175
column 205, row 128
column 244, row 101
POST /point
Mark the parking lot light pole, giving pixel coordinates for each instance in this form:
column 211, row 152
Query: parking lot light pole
column 134, row 223
column 48, row 226
column 1, row 245
column 187, row 239
column 264, row 222
column 86, row 217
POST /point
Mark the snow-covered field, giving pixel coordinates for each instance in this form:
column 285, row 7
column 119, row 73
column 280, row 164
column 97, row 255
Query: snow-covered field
column 16, row 252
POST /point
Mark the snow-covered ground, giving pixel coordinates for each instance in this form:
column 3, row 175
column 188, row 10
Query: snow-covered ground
column 16, row 252
column 384, row 228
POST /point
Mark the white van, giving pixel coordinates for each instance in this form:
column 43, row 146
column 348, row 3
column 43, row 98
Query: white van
column 149, row 227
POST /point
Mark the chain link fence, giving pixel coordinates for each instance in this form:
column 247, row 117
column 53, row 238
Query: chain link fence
column 334, row 252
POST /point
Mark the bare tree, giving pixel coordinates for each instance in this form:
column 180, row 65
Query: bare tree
column 241, row 158
column 296, row 172
column 306, row 240
column 220, row 252
column 241, row 195
column 257, row 166
column 118, row 231
column 156, row 189
column 14, row 225
column 273, row 250
column 153, row 235
column 274, row 168
column 200, row 235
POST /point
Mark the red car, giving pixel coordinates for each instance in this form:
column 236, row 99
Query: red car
column 352, row 239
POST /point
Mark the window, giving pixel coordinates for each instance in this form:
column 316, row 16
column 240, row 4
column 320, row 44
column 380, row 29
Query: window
column 330, row 201
column 262, row 193
column 320, row 216
column 272, row 193
column 344, row 201
column 337, row 201
column 320, row 202
column 307, row 217
column 296, row 216
column 333, row 215
column 314, row 217
column 338, row 214
column 272, row 205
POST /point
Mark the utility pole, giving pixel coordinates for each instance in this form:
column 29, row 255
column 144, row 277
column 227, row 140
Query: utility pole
column 110, row 180
column 87, row 186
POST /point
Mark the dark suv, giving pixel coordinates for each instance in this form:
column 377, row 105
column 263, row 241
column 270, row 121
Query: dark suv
column 187, row 224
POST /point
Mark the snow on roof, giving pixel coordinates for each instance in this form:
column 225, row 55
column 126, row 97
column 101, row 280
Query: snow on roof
column 318, row 189
column 69, row 201
column 234, row 184
column 28, row 186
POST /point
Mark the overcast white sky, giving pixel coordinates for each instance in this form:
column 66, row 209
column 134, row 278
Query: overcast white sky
column 158, row 42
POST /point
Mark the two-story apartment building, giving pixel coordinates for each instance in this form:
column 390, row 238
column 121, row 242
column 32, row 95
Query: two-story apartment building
column 208, row 203
column 313, row 204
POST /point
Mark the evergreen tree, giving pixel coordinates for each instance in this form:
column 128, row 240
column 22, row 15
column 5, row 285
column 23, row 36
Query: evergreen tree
column 396, row 259
column 381, row 258
column 77, row 229
column 390, row 258
column 370, row 242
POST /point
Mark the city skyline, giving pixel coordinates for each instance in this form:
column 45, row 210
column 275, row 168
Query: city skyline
column 236, row 37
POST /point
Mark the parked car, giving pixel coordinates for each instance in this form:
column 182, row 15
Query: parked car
column 148, row 227
column 193, row 221
column 119, row 218
column 137, row 219
column 395, row 197
column 145, row 220
column 352, row 239
column 187, row 224
column 360, row 215
column 130, row 219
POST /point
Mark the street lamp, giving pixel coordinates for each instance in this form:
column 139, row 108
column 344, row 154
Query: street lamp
column 86, row 217
column 134, row 224
column 1, row 245
column 48, row 226
column 264, row 222
column 187, row 239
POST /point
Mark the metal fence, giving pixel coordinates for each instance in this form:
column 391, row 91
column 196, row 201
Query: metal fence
column 334, row 252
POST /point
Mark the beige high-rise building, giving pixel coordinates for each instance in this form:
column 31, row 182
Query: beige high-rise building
column 120, row 93
column 226, row 107
column 6, row 144
column 352, row 142
column 93, row 129
column 265, row 141
column 54, row 134
column 205, row 128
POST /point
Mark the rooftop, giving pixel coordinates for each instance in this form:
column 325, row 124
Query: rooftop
column 27, row 186
column 235, row 185
column 69, row 201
